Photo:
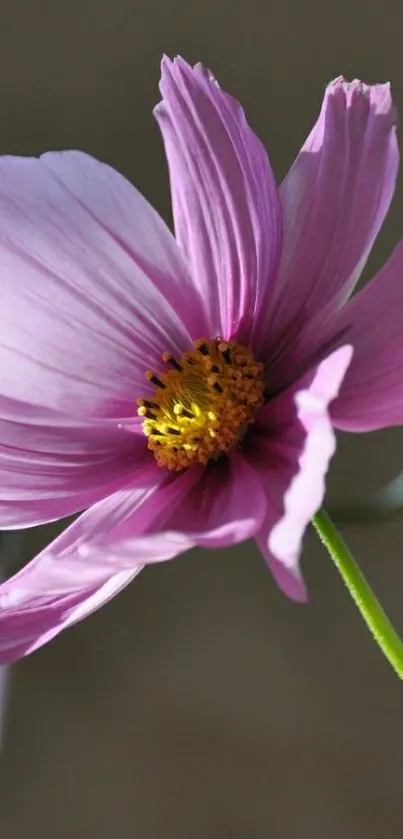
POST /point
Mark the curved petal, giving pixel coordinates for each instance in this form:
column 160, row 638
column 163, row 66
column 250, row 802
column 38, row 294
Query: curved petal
column 52, row 466
column 371, row 396
column 92, row 286
column 289, row 580
column 83, row 567
column 291, row 449
column 225, row 202
column 334, row 201
column 225, row 506
column 221, row 504
column 22, row 631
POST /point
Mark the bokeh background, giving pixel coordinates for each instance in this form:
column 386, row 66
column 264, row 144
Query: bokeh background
column 200, row 704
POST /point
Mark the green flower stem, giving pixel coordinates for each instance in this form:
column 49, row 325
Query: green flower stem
column 372, row 612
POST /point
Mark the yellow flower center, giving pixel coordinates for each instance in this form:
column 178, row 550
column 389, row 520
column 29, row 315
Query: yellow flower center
column 202, row 404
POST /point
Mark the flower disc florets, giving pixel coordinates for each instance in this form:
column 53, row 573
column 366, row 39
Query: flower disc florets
column 203, row 404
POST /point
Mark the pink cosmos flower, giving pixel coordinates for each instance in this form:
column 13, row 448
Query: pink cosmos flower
column 178, row 389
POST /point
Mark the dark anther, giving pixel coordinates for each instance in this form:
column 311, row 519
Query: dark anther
column 156, row 381
column 215, row 369
column 173, row 362
column 147, row 404
column 217, row 387
column 226, row 354
column 173, row 431
column 203, row 348
column 150, row 415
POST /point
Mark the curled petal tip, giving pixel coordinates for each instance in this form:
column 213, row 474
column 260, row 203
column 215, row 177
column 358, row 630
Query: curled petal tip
column 377, row 95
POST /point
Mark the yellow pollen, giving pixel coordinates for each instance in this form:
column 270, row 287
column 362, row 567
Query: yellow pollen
column 203, row 404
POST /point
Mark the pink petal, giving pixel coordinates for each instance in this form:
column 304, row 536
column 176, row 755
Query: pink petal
column 289, row 580
column 226, row 505
column 52, row 466
column 371, row 396
column 24, row 630
column 68, row 580
column 291, row 450
column 93, row 287
column 220, row 505
column 334, row 201
column 225, row 201
column 110, row 543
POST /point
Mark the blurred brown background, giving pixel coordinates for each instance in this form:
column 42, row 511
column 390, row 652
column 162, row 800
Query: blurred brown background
column 201, row 704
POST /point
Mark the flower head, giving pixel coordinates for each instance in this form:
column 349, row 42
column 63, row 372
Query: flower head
column 183, row 390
